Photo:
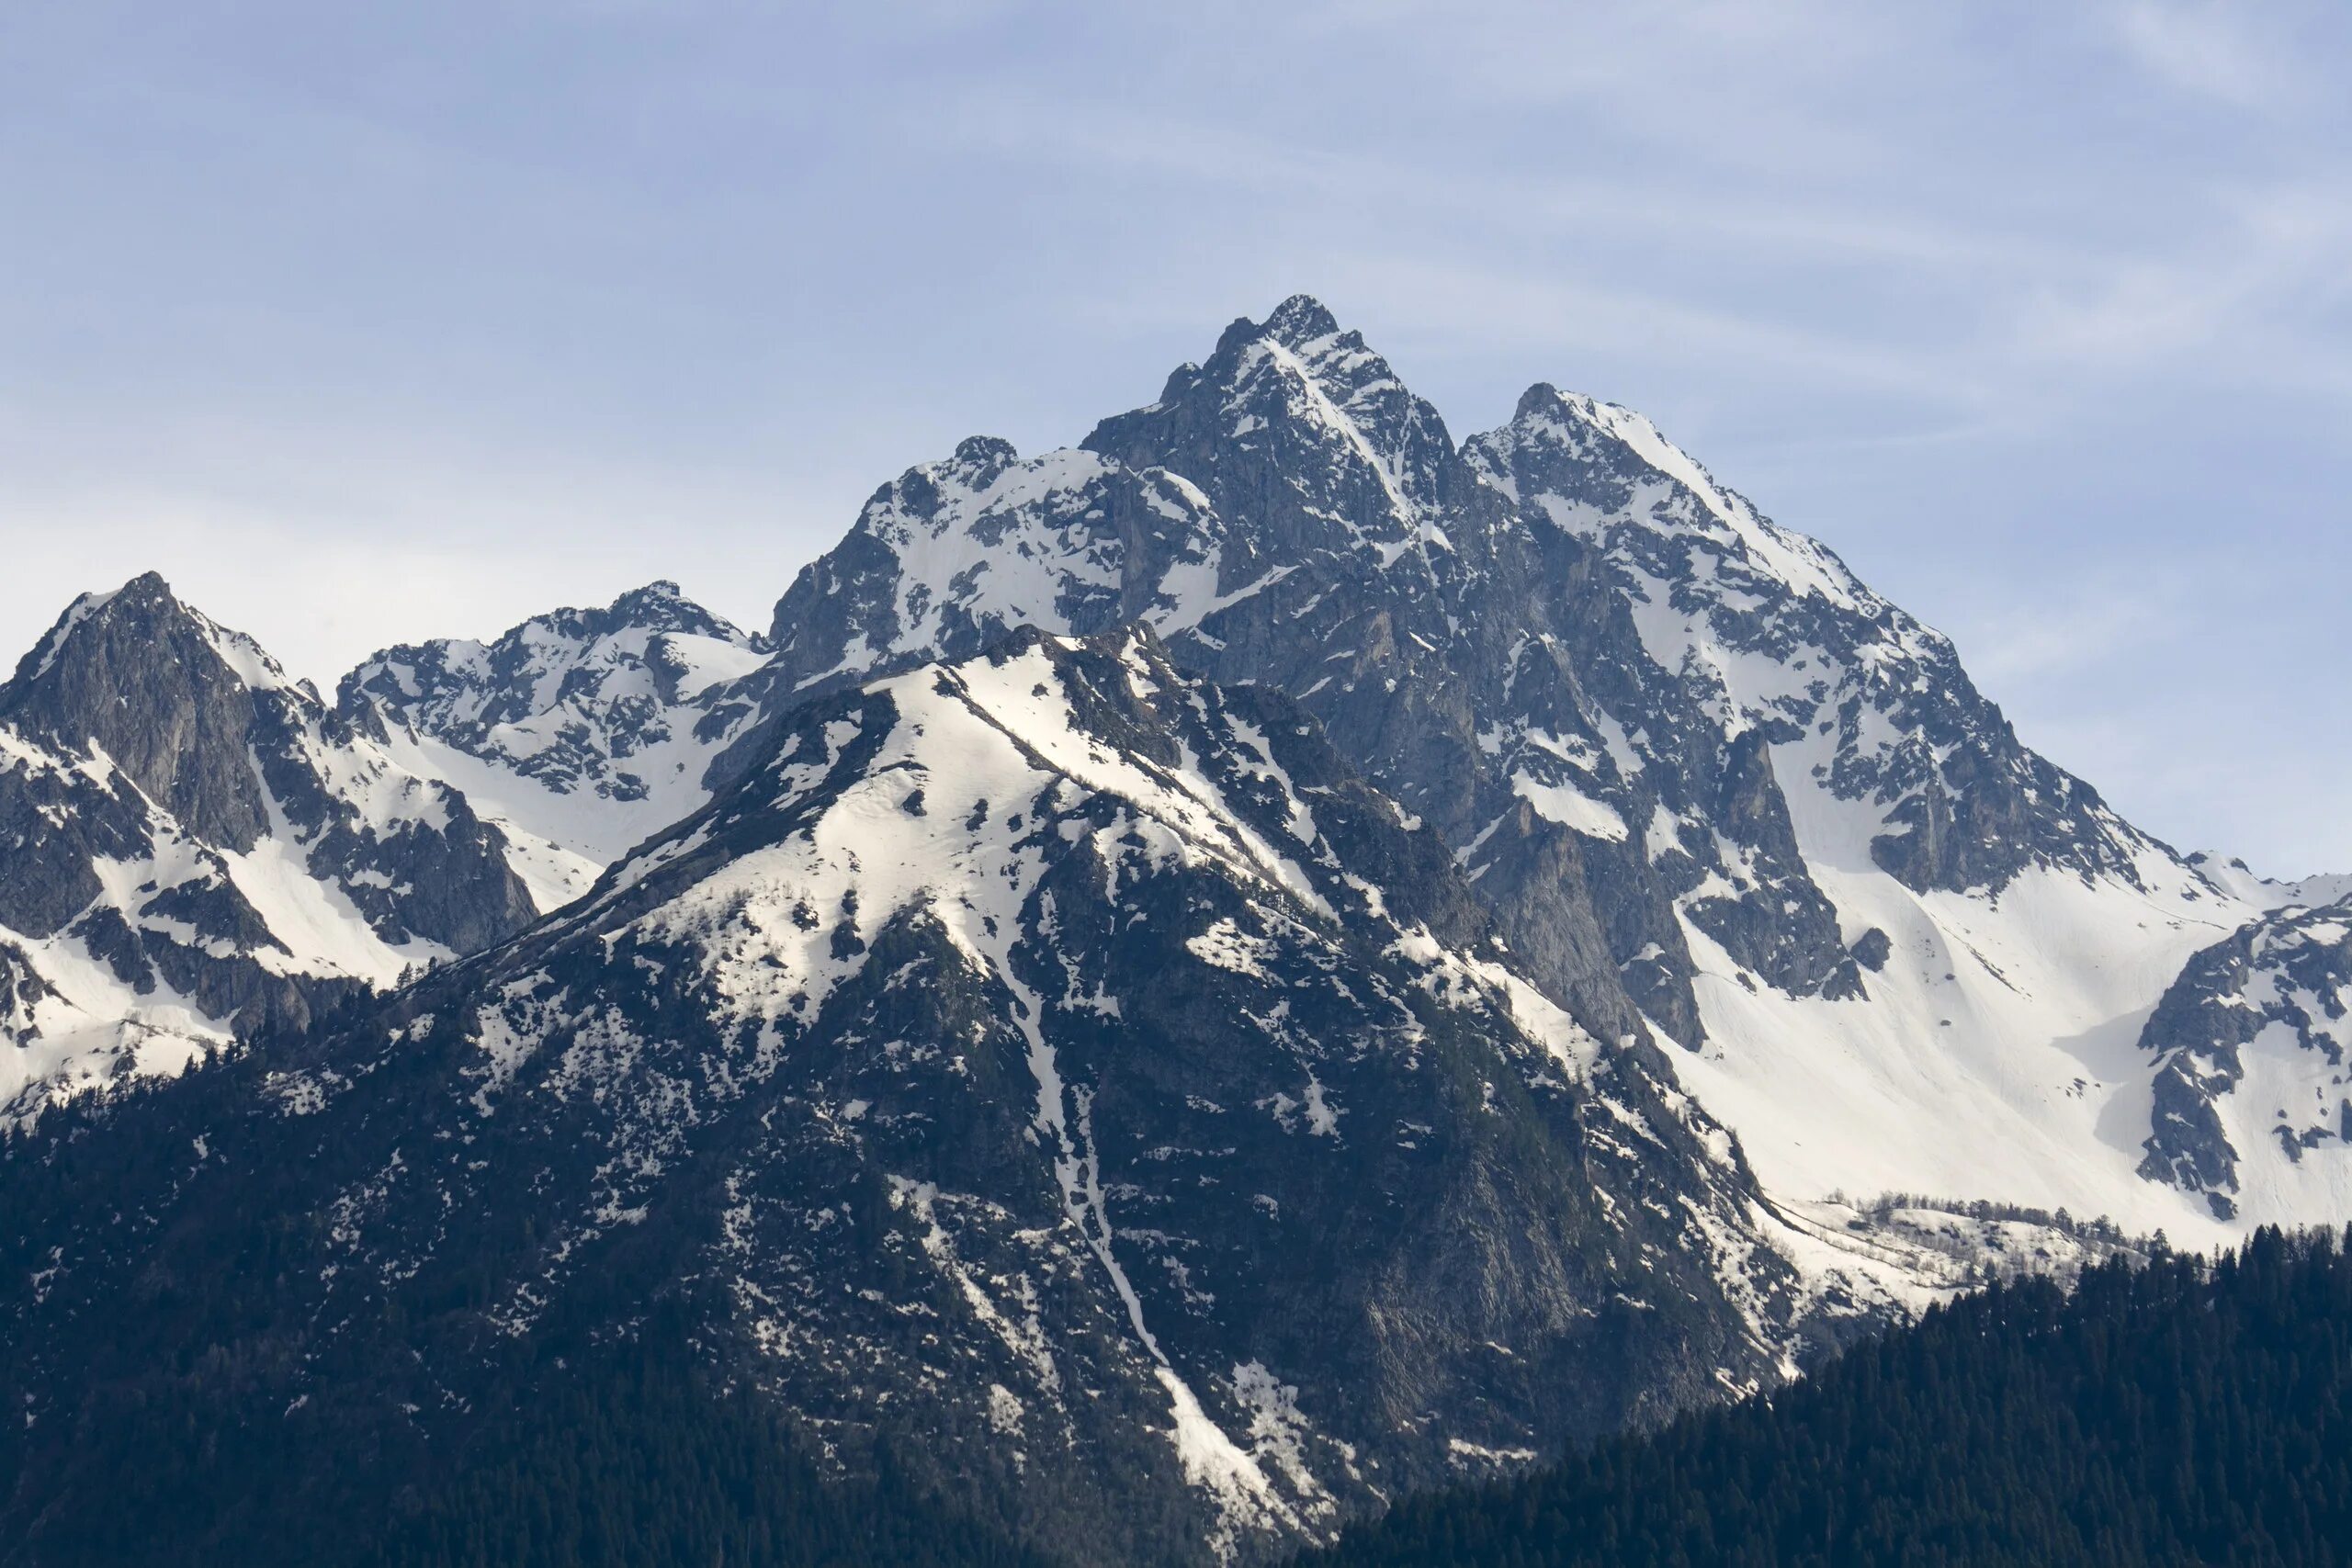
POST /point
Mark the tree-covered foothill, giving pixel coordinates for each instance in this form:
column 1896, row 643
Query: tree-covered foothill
column 2182, row 1412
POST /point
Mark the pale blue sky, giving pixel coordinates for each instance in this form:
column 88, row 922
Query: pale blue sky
column 377, row 321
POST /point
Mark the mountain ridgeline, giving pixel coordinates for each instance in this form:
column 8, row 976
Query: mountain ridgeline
column 1184, row 991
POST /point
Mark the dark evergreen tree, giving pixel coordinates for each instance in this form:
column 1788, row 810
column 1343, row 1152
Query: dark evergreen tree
column 2183, row 1412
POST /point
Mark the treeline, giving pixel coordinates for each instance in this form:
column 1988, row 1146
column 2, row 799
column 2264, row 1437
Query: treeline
column 2097, row 1228
column 2182, row 1411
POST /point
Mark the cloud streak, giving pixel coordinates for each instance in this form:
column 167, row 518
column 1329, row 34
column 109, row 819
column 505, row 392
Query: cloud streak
column 2005, row 301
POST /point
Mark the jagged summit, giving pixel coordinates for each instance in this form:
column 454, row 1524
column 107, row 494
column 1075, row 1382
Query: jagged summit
column 579, row 732
column 986, row 454
column 662, row 605
column 1297, row 321
column 166, row 695
column 1293, row 396
column 195, row 847
column 1713, row 786
column 147, row 594
column 1300, row 318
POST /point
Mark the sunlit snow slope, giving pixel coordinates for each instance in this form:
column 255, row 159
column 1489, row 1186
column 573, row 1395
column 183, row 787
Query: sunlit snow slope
column 579, row 732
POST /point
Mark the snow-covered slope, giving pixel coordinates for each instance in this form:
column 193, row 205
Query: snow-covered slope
column 2252, row 1097
column 2234, row 877
column 1710, row 783
column 1057, row 1073
column 984, row 544
column 581, row 732
column 192, row 845
column 1190, row 985
column 2023, row 930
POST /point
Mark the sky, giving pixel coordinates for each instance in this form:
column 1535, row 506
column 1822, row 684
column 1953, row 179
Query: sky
column 367, row 323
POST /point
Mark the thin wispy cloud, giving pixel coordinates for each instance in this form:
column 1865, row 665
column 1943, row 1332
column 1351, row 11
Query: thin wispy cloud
column 2215, row 49
column 1999, row 300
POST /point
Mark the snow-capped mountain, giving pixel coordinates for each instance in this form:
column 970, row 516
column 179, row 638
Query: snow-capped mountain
column 1711, row 786
column 2010, row 930
column 192, row 845
column 1052, row 1071
column 1187, row 986
column 581, row 732
column 1715, row 791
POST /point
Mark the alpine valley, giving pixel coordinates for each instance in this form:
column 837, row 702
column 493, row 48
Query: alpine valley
column 1184, row 989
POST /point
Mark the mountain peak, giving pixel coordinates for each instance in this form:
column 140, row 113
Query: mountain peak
column 589, row 721
column 982, row 451
column 660, row 606
column 1299, row 319
column 661, row 590
column 148, row 585
column 979, row 460
column 1536, row 400
column 145, row 595
column 166, row 692
column 1297, row 401
column 142, row 633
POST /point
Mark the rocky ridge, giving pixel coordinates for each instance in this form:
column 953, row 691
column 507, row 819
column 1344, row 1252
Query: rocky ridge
column 1714, row 789
column 193, row 845
column 1051, row 1070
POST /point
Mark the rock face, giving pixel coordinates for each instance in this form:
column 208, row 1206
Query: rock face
column 1061, row 1074
column 2250, row 1045
column 579, row 732
column 1711, row 787
column 192, row 846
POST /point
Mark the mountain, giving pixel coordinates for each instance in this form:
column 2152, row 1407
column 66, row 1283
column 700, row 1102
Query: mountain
column 1714, row 790
column 209, row 850
column 1053, row 1082
column 193, row 845
column 1185, row 990
column 581, row 732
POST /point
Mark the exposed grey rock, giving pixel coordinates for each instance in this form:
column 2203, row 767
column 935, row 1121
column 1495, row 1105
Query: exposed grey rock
column 1013, row 1052
column 158, row 775
column 578, row 733
column 567, row 698
column 1464, row 623
column 2281, row 985
column 133, row 674
column 1147, row 1143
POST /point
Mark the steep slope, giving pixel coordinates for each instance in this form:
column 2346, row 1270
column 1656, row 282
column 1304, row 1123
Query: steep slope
column 1049, row 1080
column 2253, row 1097
column 2014, row 932
column 1294, row 524
column 581, row 732
column 1709, row 784
column 192, row 845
